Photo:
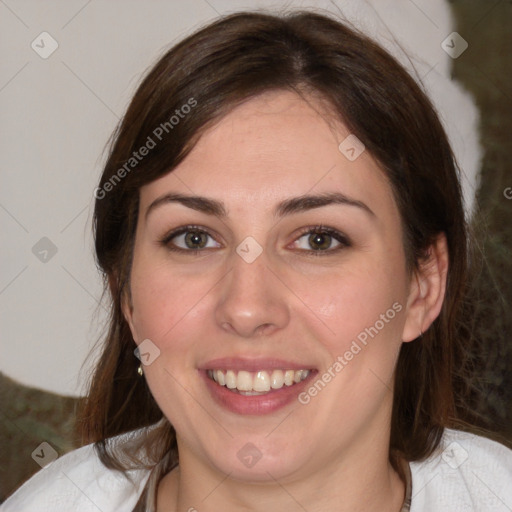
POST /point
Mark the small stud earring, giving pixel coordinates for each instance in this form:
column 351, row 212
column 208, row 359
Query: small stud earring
column 140, row 371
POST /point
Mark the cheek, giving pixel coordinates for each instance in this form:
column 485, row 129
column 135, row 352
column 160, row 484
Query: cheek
column 167, row 303
column 363, row 304
column 167, row 309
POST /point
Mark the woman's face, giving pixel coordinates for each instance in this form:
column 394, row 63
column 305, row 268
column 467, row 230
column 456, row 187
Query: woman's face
column 267, row 251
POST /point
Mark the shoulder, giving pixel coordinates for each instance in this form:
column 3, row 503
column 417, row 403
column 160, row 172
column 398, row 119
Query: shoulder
column 467, row 473
column 78, row 481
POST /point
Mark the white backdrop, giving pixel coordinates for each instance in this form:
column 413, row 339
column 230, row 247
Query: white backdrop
column 67, row 72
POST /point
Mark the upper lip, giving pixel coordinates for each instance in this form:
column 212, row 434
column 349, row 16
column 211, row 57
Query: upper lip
column 253, row 364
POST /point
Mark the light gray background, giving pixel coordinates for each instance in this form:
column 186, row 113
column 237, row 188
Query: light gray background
column 58, row 113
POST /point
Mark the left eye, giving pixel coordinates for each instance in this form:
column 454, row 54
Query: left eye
column 322, row 240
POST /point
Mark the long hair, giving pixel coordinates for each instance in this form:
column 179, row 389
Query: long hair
column 212, row 71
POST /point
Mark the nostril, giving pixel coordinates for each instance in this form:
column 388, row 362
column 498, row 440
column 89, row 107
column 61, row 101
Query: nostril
column 228, row 327
column 264, row 329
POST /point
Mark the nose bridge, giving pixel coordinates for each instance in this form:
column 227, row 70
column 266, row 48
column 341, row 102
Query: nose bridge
column 251, row 298
column 249, row 276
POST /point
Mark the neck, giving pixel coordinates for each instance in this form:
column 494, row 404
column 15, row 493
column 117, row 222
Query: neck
column 363, row 481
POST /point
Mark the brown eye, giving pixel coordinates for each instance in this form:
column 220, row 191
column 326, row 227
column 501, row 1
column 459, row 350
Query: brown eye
column 195, row 239
column 320, row 240
column 189, row 239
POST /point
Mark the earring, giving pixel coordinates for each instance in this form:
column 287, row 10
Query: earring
column 140, row 371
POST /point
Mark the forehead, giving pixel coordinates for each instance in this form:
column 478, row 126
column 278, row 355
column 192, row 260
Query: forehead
column 271, row 147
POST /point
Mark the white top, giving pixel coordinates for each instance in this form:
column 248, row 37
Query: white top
column 468, row 473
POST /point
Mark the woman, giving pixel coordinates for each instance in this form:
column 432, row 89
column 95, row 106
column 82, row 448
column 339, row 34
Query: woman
column 281, row 231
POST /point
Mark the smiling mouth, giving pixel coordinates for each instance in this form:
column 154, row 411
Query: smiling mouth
column 257, row 383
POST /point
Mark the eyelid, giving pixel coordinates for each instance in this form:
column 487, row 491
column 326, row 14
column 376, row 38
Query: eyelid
column 183, row 229
column 340, row 237
column 166, row 239
column 343, row 240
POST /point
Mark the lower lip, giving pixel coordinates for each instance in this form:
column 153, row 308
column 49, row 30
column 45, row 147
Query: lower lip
column 270, row 402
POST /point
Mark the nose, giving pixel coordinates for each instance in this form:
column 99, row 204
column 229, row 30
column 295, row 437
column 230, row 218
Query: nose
column 252, row 300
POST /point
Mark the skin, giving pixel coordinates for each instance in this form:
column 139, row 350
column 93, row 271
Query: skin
column 290, row 303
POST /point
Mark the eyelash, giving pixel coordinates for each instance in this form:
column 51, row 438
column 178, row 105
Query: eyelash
column 317, row 229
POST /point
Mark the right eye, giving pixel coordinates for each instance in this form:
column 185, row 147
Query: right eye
column 188, row 239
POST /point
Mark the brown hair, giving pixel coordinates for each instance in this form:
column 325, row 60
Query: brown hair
column 229, row 61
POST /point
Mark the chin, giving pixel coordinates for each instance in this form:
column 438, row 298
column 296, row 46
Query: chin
column 257, row 461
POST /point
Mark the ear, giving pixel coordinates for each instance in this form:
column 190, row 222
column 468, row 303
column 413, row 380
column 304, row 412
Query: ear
column 427, row 290
column 126, row 306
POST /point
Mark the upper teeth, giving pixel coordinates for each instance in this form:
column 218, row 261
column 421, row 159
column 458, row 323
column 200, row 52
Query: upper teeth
column 261, row 381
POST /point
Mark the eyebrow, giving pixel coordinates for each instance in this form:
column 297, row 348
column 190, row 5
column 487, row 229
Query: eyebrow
column 286, row 207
